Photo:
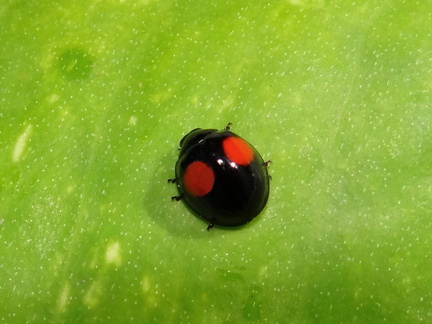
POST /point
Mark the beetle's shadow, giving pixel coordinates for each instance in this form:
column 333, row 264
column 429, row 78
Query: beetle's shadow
column 174, row 216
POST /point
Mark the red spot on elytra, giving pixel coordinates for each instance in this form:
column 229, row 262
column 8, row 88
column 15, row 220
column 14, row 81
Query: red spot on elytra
column 238, row 150
column 198, row 179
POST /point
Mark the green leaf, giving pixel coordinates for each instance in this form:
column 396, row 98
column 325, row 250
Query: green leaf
column 94, row 98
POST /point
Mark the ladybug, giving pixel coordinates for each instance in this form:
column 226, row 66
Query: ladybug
column 221, row 177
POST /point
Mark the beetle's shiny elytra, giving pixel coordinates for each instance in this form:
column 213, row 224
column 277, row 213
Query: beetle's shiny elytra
column 221, row 177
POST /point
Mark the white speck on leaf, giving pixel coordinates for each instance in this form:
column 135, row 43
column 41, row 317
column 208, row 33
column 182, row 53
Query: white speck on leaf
column 21, row 143
column 113, row 254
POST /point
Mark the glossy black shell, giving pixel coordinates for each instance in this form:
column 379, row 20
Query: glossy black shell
column 239, row 193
